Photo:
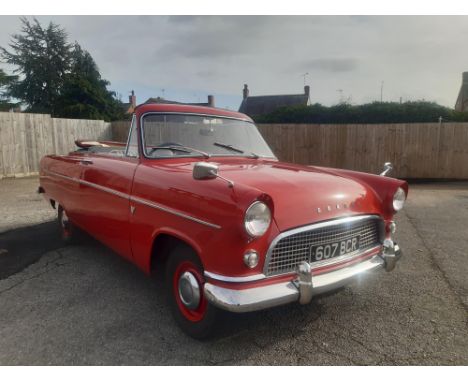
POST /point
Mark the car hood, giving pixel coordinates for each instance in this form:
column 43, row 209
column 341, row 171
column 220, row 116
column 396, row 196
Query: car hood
column 302, row 194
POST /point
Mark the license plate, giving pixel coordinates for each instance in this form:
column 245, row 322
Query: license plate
column 338, row 248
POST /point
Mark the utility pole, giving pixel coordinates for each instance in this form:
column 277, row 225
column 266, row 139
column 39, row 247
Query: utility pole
column 381, row 92
column 304, row 77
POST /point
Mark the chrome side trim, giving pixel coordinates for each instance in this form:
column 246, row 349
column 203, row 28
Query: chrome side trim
column 90, row 184
column 75, row 180
column 171, row 211
column 135, row 199
column 328, row 223
column 240, row 279
column 105, row 189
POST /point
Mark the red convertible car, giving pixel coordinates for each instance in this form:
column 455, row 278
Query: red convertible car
column 198, row 191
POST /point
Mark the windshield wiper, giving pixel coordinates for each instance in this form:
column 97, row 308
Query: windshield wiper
column 181, row 148
column 235, row 149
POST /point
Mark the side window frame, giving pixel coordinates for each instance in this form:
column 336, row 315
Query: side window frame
column 130, row 133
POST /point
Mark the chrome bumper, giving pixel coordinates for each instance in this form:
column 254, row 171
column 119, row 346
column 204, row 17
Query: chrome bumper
column 301, row 289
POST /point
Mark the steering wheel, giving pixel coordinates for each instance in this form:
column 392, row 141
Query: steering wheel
column 167, row 152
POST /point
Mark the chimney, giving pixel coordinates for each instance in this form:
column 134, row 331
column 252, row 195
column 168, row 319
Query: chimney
column 245, row 91
column 132, row 99
column 307, row 91
column 211, row 102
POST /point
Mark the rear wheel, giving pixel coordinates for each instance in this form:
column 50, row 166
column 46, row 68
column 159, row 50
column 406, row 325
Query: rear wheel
column 185, row 282
column 67, row 229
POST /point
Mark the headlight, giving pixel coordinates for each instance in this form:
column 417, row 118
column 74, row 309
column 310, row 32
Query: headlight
column 257, row 219
column 399, row 199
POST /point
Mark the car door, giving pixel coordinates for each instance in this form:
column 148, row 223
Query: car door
column 106, row 186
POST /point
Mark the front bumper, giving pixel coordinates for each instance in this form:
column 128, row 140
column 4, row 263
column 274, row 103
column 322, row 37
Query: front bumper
column 301, row 289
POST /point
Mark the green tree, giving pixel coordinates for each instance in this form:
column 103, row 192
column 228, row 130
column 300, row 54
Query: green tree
column 41, row 57
column 56, row 77
column 376, row 112
column 5, row 82
column 84, row 93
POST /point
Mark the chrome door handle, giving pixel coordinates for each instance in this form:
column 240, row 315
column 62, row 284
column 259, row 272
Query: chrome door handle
column 86, row 161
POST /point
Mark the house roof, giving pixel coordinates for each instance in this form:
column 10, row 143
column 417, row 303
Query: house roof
column 258, row 105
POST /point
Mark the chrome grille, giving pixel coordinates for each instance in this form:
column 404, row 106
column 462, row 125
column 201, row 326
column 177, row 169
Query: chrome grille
column 293, row 247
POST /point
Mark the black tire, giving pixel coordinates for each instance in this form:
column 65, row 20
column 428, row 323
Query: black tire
column 202, row 322
column 68, row 231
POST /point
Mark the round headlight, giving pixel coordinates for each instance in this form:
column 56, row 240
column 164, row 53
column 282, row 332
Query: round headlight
column 399, row 199
column 257, row 219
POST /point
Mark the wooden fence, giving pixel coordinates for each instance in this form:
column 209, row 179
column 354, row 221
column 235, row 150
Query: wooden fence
column 25, row 138
column 120, row 130
column 417, row 150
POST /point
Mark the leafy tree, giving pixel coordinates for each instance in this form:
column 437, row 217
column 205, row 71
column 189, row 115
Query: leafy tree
column 42, row 59
column 376, row 112
column 5, row 82
column 84, row 93
column 56, row 77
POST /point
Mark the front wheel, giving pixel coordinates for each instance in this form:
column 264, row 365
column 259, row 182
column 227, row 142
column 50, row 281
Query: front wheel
column 185, row 281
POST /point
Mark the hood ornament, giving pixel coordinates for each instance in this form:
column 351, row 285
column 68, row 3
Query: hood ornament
column 387, row 168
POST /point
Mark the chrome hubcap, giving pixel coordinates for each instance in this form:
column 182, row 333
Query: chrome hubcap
column 189, row 290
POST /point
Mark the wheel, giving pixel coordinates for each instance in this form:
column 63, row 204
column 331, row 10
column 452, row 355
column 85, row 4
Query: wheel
column 184, row 285
column 67, row 229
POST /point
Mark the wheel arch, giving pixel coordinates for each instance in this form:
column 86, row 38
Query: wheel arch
column 164, row 241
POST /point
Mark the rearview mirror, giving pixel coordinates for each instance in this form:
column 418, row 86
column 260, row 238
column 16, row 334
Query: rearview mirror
column 204, row 170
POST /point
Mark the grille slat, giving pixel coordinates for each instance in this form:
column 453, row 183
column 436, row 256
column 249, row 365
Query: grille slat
column 292, row 249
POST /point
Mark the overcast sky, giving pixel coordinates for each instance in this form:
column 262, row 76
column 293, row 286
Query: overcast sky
column 191, row 57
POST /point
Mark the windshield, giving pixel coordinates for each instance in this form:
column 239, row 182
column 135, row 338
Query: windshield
column 166, row 135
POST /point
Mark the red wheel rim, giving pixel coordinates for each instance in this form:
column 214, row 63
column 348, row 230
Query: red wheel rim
column 198, row 313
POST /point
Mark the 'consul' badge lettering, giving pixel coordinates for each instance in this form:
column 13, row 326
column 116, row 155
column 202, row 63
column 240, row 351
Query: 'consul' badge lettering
column 338, row 206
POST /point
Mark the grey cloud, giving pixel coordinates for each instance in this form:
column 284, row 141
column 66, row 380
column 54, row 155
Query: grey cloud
column 333, row 65
column 183, row 19
column 416, row 57
column 212, row 37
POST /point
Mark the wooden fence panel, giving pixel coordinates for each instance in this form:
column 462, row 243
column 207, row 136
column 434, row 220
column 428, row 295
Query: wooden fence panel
column 25, row 138
column 120, row 130
column 417, row 150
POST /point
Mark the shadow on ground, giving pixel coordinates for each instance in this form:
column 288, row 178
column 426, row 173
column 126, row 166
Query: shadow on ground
column 22, row 247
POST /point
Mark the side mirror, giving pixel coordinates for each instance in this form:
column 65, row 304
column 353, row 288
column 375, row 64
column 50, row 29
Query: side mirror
column 387, row 168
column 204, row 170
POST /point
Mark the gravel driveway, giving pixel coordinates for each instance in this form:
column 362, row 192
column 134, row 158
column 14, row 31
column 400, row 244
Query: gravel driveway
column 82, row 304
